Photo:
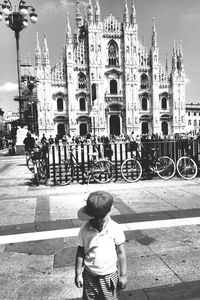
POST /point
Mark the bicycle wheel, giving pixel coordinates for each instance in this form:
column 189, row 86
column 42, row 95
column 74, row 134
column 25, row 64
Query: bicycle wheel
column 131, row 170
column 103, row 171
column 64, row 173
column 165, row 167
column 187, row 168
column 36, row 174
column 42, row 170
column 30, row 164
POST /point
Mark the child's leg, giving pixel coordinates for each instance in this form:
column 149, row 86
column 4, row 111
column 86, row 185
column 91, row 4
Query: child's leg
column 109, row 286
column 91, row 286
column 100, row 287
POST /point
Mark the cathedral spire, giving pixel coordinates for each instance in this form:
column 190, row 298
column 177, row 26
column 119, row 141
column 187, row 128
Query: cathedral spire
column 126, row 14
column 68, row 30
column 29, row 59
column 143, row 41
column 177, row 50
column 97, row 12
column 174, row 58
column 78, row 14
column 180, row 57
column 37, row 51
column 90, row 14
column 45, row 52
column 154, row 35
column 85, row 17
column 166, row 64
column 133, row 14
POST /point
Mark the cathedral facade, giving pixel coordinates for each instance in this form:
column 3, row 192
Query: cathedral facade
column 107, row 81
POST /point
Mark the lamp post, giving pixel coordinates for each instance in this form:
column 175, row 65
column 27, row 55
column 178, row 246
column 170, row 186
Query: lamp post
column 16, row 21
column 31, row 82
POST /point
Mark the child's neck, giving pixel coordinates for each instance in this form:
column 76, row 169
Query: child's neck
column 99, row 223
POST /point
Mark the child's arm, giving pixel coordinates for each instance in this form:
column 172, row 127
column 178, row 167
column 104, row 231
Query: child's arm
column 122, row 266
column 79, row 266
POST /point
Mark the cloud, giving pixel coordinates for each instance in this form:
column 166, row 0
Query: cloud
column 8, row 87
column 50, row 6
column 191, row 16
column 47, row 7
column 66, row 3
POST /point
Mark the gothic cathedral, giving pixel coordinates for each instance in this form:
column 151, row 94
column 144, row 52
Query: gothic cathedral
column 107, row 81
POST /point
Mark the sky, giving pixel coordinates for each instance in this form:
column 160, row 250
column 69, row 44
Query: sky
column 175, row 20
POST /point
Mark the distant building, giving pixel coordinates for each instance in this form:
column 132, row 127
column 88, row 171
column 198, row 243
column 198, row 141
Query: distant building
column 193, row 118
column 107, row 78
column 9, row 120
column 1, row 121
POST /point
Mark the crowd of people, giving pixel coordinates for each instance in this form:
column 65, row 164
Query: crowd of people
column 4, row 143
column 89, row 138
column 7, row 143
column 32, row 141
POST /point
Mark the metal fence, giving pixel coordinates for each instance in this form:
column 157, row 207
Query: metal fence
column 116, row 153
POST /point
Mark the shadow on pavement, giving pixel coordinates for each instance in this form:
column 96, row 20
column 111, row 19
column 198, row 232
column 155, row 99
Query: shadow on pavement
column 181, row 291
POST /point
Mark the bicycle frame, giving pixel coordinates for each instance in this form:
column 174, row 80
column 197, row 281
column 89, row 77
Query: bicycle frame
column 151, row 158
column 76, row 163
column 145, row 163
column 39, row 166
column 101, row 170
column 188, row 151
column 187, row 164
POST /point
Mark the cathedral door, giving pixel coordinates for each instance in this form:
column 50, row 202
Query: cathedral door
column 145, row 129
column 83, row 129
column 165, row 128
column 61, row 130
column 114, row 125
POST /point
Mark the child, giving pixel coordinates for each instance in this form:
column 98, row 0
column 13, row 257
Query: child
column 100, row 251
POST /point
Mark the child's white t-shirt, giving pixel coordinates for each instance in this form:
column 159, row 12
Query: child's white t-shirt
column 100, row 247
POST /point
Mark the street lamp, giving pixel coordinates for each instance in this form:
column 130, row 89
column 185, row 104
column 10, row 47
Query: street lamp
column 32, row 82
column 16, row 21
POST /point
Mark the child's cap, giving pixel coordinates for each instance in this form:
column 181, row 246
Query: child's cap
column 99, row 203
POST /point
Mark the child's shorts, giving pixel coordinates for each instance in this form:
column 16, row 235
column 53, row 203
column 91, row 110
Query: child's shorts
column 100, row 287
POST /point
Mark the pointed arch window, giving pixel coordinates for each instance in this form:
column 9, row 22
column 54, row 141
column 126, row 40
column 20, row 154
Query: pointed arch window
column 83, row 129
column 113, row 86
column 94, row 92
column 82, row 104
column 164, row 128
column 82, row 81
column 60, row 104
column 144, row 103
column 144, row 82
column 113, row 54
column 164, row 103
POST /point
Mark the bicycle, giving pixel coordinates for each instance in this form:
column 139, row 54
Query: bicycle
column 133, row 168
column 29, row 156
column 101, row 170
column 186, row 165
column 36, row 163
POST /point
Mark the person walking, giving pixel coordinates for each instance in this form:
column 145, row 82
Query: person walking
column 51, row 140
column 57, row 140
column 43, row 139
column 29, row 142
column 100, row 260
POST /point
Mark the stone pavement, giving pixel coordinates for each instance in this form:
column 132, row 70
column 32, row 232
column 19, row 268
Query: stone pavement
column 38, row 227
